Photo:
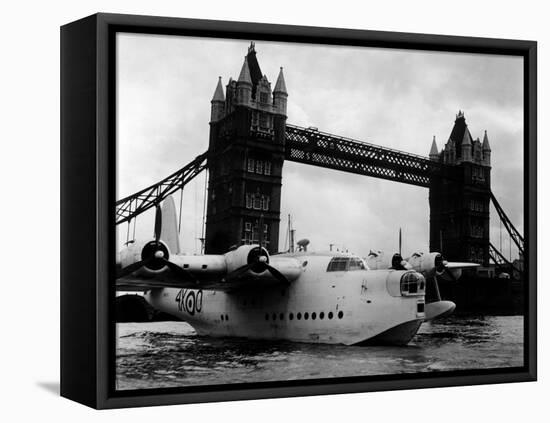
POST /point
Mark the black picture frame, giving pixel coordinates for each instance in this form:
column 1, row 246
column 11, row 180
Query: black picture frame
column 88, row 197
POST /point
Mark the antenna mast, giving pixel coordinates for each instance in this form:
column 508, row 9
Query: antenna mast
column 290, row 235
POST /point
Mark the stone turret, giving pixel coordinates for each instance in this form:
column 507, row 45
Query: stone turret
column 280, row 94
column 434, row 154
column 244, row 85
column 466, row 146
column 486, row 150
column 218, row 103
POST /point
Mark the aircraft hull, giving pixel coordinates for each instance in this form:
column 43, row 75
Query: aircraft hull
column 344, row 308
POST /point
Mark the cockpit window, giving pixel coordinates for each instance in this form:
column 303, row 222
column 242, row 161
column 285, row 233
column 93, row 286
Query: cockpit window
column 341, row 264
column 338, row 264
column 356, row 263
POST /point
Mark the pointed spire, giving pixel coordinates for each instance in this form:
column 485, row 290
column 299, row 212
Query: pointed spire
column 244, row 76
column 467, row 139
column 218, row 94
column 433, row 150
column 486, row 146
column 280, row 86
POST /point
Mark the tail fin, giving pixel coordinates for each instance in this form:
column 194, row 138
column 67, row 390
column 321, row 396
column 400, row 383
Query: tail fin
column 169, row 233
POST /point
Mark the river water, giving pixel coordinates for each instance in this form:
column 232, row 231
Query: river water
column 170, row 354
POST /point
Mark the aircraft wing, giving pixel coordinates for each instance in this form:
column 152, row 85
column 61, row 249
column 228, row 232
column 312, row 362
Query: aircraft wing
column 211, row 273
column 140, row 284
column 458, row 265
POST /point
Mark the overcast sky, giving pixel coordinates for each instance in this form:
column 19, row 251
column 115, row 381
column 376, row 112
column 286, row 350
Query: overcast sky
column 395, row 98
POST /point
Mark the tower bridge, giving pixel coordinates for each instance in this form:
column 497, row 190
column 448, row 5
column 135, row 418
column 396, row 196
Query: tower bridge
column 250, row 140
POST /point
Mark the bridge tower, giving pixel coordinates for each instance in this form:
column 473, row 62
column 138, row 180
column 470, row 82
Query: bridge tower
column 459, row 202
column 245, row 160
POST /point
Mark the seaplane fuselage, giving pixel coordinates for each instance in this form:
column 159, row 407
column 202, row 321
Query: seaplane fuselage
column 335, row 303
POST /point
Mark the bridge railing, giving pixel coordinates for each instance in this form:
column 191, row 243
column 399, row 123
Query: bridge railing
column 311, row 146
column 129, row 207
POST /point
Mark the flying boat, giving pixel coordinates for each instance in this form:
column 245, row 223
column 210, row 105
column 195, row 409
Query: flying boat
column 303, row 296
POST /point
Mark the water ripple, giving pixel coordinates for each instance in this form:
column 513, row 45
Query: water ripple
column 171, row 354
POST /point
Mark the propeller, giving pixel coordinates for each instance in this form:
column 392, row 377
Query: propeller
column 400, row 241
column 398, row 263
column 158, row 223
column 154, row 255
column 257, row 262
column 442, row 267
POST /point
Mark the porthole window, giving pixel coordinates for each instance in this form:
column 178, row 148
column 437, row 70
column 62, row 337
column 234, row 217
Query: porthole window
column 306, row 315
column 299, row 316
column 226, row 317
column 274, row 316
column 340, row 314
column 313, row 316
column 322, row 315
column 221, row 317
column 330, row 315
column 291, row 316
column 281, row 316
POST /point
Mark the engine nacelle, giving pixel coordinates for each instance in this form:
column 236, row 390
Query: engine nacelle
column 429, row 264
column 244, row 255
column 140, row 251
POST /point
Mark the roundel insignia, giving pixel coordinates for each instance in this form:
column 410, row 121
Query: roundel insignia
column 190, row 303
